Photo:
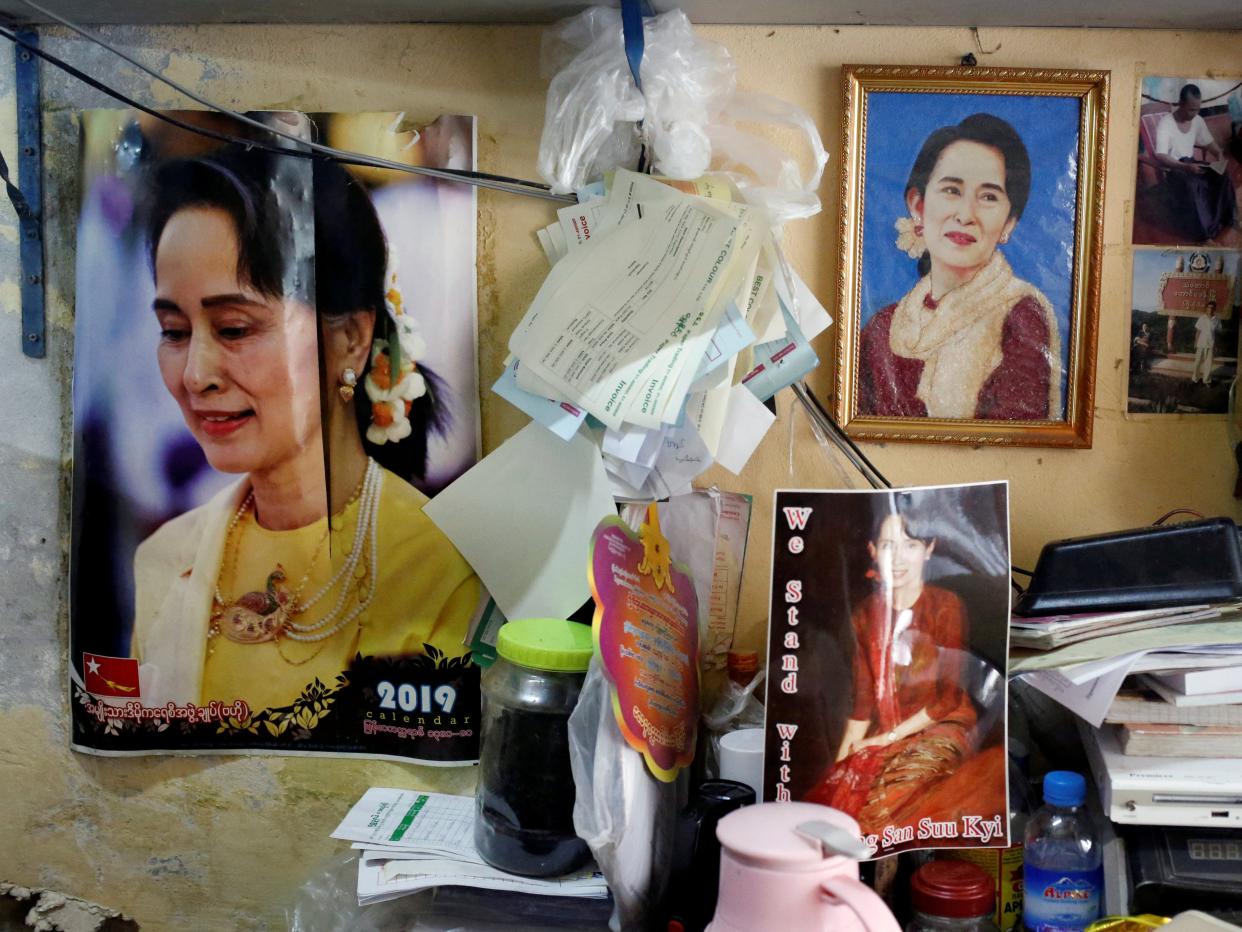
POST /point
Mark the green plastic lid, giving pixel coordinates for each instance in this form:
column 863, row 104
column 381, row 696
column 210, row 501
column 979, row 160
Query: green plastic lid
column 552, row 644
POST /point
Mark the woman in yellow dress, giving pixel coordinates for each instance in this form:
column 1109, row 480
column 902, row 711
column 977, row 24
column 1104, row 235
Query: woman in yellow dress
column 291, row 572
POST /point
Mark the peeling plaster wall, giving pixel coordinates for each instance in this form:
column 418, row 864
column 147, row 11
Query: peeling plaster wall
column 223, row 842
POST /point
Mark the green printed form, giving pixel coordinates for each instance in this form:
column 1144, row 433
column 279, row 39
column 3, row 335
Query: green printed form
column 408, row 819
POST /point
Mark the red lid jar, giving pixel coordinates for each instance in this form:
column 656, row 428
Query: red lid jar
column 953, row 890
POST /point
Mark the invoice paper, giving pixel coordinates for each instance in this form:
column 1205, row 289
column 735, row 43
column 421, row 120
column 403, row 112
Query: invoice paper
column 620, row 325
column 560, row 417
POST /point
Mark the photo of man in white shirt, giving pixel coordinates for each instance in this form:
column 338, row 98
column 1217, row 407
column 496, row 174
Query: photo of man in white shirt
column 1205, row 344
column 1201, row 200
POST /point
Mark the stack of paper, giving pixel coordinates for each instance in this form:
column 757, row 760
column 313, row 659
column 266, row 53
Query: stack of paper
column 669, row 318
column 1057, row 630
column 1192, row 657
column 409, row 841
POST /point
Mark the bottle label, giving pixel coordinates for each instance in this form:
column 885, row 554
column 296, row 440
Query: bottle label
column 1059, row 901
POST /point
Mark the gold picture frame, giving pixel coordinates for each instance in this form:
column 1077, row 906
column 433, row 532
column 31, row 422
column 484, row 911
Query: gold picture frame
column 1049, row 274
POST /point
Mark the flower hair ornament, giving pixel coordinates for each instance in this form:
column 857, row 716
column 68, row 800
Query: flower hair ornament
column 393, row 381
column 910, row 237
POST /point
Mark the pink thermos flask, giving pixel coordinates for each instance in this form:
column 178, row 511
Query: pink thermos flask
column 793, row 867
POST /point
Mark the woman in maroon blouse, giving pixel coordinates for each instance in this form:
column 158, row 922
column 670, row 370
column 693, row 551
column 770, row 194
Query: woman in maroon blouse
column 912, row 722
column 971, row 339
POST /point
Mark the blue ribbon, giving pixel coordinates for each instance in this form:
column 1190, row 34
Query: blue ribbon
column 632, row 30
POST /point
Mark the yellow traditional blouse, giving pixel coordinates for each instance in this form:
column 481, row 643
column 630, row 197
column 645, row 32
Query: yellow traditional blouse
column 426, row 593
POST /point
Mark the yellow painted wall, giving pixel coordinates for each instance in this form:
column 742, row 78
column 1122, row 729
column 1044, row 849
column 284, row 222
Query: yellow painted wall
column 221, row 842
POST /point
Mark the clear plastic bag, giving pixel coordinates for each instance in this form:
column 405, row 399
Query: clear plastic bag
column 689, row 108
column 328, row 903
column 625, row 815
column 768, row 176
column 735, row 707
column 593, row 105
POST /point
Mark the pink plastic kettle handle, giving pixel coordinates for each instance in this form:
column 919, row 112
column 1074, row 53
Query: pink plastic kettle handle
column 870, row 909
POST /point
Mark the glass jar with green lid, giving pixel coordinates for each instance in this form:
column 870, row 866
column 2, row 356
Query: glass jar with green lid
column 525, row 799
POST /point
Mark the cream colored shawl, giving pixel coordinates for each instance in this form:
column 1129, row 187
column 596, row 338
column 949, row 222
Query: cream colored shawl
column 174, row 579
column 960, row 341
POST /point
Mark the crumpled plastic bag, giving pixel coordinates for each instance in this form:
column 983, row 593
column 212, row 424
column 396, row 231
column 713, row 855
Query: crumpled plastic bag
column 689, row 107
column 735, row 708
column 328, row 902
column 625, row 815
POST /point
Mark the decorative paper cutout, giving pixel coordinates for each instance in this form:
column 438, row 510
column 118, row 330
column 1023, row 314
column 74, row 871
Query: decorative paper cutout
column 646, row 635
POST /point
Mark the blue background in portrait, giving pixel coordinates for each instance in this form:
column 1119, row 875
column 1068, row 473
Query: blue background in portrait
column 1041, row 250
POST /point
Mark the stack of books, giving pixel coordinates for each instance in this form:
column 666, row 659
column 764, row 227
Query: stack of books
column 1053, row 631
column 1160, row 696
column 1187, row 657
column 1183, row 713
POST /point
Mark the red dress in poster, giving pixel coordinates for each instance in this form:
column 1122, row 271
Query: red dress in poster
column 908, row 752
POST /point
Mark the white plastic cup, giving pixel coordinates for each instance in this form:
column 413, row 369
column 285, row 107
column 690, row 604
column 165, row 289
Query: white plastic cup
column 741, row 758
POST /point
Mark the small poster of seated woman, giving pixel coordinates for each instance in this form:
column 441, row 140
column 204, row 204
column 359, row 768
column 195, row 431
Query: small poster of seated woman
column 887, row 650
column 274, row 369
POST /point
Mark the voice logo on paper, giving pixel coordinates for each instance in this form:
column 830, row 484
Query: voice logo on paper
column 110, row 676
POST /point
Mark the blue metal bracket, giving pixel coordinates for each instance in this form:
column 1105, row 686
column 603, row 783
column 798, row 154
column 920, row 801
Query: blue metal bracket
column 30, row 181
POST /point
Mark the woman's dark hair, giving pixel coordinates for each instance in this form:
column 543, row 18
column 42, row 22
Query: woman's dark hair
column 341, row 272
column 986, row 130
column 916, row 521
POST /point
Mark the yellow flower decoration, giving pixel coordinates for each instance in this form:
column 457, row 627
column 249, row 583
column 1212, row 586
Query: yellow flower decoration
column 657, row 561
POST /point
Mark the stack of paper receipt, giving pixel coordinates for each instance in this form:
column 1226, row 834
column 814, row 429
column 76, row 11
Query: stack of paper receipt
column 1083, row 661
column 668, row 317
column 410, row 840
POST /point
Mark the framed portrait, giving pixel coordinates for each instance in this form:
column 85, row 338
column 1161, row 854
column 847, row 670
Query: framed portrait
column 972, row 204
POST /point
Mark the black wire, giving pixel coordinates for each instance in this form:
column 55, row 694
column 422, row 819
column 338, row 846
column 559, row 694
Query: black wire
column 1205, row 100
column 236, row 140
column 1021, row 571
column 846, row 437
column 1176, row 511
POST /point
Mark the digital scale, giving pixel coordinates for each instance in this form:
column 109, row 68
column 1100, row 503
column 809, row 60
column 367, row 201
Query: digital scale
column 1175, row 869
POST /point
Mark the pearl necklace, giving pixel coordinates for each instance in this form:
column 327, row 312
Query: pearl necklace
column 295, row 608
column 247, row 625
column 364, row 532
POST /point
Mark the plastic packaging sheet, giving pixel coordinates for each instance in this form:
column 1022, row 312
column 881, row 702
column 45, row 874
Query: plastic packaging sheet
column 328, row 903
column 736, row 707
column 689, row 110
column 624, row 814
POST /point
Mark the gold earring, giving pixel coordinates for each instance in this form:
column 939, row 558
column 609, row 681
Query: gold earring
column 349, row 379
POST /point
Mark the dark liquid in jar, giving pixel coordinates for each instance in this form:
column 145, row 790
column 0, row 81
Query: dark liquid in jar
column 525, row 820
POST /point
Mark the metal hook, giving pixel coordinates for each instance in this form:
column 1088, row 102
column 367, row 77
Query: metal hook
column 974, row 31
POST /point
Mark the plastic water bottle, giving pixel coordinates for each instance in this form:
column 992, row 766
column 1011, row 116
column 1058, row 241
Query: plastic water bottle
column 1062, row 876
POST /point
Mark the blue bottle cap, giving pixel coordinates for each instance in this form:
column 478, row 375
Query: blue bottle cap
column 1064, row 788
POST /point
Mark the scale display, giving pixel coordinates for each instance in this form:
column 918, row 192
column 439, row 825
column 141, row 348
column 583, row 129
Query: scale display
column 1172, row 869
column 1214, row 849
